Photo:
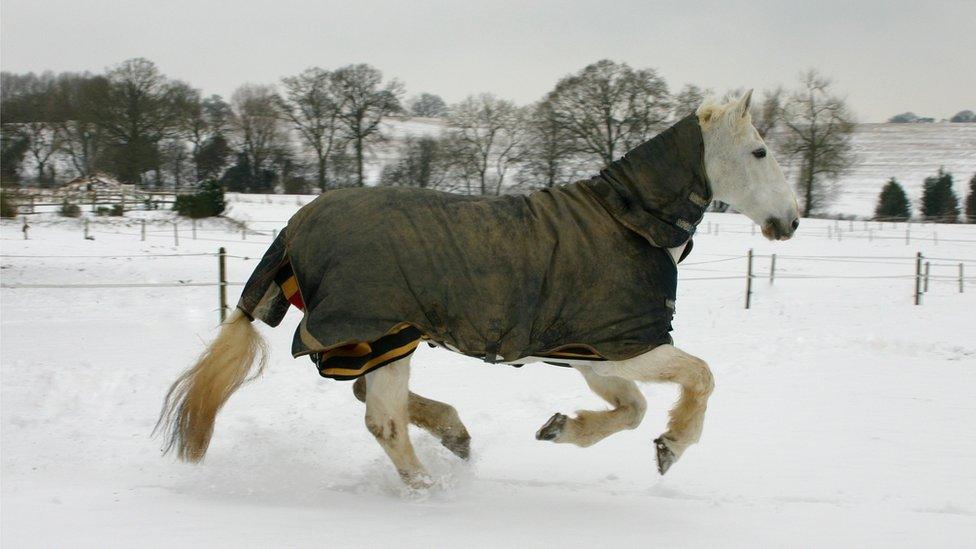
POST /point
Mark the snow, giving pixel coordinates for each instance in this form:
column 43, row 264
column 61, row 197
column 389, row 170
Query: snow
column 843, row 414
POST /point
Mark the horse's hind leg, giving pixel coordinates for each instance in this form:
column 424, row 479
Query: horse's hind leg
column 437, row 418
column 590, row 427
column 387, row 418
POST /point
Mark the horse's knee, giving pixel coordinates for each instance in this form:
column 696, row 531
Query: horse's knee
column 359, row 389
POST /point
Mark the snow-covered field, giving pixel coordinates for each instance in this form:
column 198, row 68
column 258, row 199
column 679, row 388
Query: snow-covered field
column 843, row 413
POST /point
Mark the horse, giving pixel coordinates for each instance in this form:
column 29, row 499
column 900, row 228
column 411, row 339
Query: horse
column 581, row 276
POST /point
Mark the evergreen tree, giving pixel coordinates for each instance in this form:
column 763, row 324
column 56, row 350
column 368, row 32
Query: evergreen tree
column 939, row 200
column 971, row 201
column 893, row 204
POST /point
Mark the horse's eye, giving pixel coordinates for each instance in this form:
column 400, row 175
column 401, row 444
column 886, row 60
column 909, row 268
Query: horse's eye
column 759, row 153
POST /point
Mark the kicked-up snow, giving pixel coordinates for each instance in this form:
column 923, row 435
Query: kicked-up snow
column 843, row 413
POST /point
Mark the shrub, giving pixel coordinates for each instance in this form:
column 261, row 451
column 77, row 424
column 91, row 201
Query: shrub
column 8, row 208
column 117, row 211
column 69, row 210
column 208, row 201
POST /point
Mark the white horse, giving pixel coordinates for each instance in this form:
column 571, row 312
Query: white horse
column 742, row 172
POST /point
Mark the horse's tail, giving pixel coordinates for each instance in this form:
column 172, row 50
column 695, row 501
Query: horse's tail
column 236, row 356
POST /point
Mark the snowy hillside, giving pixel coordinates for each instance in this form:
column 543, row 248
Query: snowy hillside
column 843, row 414
column 909, row 152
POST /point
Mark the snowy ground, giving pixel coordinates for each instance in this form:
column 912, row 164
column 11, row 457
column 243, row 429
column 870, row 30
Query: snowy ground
column 843, row 414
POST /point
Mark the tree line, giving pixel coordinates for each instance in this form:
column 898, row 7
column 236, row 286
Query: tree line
column 314, row 130
column 939, row 202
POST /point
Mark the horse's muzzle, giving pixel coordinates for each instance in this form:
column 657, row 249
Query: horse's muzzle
column 778, row 229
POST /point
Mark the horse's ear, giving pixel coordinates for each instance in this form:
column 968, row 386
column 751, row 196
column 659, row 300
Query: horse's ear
column 742, row 105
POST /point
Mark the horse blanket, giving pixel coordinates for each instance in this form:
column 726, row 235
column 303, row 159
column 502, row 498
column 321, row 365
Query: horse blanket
column 580, row 270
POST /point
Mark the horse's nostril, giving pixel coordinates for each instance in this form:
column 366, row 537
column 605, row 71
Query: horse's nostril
column 796, row 223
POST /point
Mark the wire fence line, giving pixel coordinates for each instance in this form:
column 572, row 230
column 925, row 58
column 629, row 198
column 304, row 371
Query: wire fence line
column 918, row 270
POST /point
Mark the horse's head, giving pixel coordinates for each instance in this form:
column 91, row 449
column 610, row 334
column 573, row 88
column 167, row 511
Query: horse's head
column 743, row 171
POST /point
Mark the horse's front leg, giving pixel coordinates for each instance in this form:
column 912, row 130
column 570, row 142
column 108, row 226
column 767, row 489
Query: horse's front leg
column 668, row 363
column 590, row 427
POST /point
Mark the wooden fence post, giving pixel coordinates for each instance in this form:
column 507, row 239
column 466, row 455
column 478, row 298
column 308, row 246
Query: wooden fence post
column 143, row 230
column 749, row 279
column 26, row 227
column 176, row 233
column 222, row 282
column 194, row 223
column 960, row 278
column 86, row 228
column 928, row 265
column 918, row 278
column 772, row 269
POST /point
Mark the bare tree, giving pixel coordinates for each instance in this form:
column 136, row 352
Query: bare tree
column 492, row 130
column 312, row 106
column 80, row 136
column 365, row 102
column 549, row 150
column 43, row 142
column 422, row 163
column 610, row 108
column 428, row 105
column 817, row 128
column 688, row 100
column 767, row 113
column 135, row 112
column 257, row 128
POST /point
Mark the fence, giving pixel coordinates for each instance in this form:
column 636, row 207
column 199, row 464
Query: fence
column 187, row 226
column 918, row 271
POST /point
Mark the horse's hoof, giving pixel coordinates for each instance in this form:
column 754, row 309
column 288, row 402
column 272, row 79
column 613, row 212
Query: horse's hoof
column 665, row 457
column 416, row 480
column 553, row 428
column 458, row 445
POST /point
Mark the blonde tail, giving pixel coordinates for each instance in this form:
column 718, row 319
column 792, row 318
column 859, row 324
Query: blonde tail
column 191, row 406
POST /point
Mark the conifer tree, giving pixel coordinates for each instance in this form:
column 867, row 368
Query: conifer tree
column 939, row 200
column 971, row 201
column 893, row 203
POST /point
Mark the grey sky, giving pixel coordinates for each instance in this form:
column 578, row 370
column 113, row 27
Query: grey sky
column 886, row 56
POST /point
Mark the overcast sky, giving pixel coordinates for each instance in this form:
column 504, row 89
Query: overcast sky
column 886, row 56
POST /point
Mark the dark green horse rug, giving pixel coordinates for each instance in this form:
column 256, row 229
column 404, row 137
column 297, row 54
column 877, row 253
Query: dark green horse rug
column 576, row 271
